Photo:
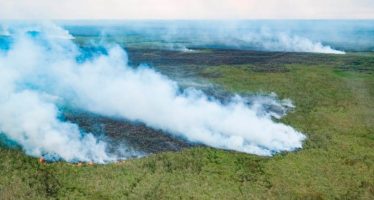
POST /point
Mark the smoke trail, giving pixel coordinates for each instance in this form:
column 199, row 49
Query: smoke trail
column 249, row 35
column 285, row 42
column 263, row 39
column 41, row 72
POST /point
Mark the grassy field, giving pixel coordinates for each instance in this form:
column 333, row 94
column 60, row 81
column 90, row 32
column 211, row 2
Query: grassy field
column 334, row 98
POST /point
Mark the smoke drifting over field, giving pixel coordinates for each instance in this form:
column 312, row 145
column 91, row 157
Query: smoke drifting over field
column 333, row 37
column 248, row 38
column 40, row 73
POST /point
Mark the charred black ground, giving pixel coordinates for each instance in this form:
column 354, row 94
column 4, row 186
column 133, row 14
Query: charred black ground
column 135, row 136
column 258, row 61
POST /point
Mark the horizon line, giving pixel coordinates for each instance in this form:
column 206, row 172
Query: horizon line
column 195, row 19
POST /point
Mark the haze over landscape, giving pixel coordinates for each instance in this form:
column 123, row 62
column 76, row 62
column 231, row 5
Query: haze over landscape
column 189, row 99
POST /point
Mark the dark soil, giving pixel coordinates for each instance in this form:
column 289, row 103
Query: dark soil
column 135, row 136
column 213, row 57
column 258, row 61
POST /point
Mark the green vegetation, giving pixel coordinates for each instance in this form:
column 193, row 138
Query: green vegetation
column 334, row 108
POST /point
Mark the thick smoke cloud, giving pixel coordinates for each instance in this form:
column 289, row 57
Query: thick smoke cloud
column 40, row 72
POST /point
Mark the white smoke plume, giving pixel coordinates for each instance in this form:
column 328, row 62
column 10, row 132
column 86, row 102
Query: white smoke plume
column 40, row 72
column 264, row 39
column 285, row 42
column 4, row 31
column 185, row 36
column 248, row 35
